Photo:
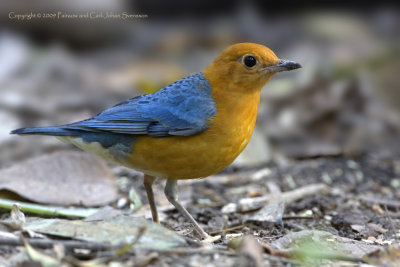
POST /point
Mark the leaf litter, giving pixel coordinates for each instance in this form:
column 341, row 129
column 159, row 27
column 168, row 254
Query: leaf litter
column 320, row 222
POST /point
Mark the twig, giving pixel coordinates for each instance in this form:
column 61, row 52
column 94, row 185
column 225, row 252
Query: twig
column 47, row 210
column 49, row 243
column 236, row 178
column 298, row 218
column 127, row 247
column 272, row 251
column 246, row 204
column 303, row 192
column 202, row 251
column 229, row 229
column 383, row 202
column 390, row 220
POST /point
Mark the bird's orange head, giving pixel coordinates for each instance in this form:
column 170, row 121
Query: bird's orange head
column 246, row 66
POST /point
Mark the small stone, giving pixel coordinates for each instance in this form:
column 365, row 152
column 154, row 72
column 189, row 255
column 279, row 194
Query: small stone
column 307, row 213
column 358, row 228
column 122, row 202
column 326, row 178
column 395, row 183
column 352, row 164
column 377, row 208
column 229, row 208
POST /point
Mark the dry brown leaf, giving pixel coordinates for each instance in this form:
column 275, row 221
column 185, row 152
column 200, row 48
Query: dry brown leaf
column 116, row 231
column 388, row 256
column 62, row 178
column 249, row 249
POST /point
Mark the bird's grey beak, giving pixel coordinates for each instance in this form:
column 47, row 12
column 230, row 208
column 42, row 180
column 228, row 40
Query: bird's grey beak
column 283, row 65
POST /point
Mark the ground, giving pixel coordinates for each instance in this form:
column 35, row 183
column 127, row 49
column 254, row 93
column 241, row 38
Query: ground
column 318, row 184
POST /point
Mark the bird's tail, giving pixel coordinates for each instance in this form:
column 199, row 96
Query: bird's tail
column 51, row 130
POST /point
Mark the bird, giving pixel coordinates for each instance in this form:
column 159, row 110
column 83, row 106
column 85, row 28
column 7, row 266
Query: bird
column 192, row 128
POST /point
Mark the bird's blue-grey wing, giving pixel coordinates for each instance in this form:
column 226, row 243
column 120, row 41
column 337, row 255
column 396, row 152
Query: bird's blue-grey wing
column 181, row 108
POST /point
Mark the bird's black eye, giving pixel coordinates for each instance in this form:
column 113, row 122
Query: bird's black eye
column 250, row 61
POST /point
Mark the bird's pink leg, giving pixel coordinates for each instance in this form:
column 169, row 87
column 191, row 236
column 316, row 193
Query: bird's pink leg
column 148, row 182
column 171, row 192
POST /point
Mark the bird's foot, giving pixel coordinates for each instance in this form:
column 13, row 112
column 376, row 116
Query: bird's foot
column 210, row 239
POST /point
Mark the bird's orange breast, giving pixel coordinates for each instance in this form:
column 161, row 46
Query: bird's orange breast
column 188, row 157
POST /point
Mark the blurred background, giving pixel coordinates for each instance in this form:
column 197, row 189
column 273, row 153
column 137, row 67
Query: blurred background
column 57, row 67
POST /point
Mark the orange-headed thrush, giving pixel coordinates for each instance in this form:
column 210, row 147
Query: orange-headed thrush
column 189, row 129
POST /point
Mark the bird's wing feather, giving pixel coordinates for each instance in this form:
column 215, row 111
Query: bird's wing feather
column 181, row 108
